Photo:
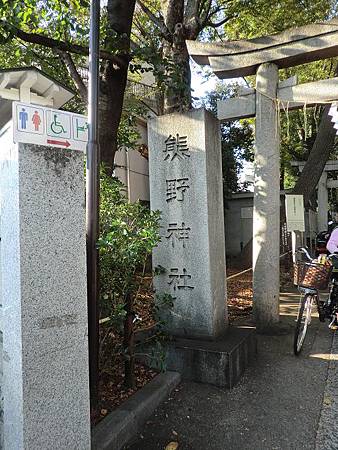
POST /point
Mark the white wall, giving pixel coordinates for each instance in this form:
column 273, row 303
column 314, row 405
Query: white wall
column 238, row 223
column 132, row 169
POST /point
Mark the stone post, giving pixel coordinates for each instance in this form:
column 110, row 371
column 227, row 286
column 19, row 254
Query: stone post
column 186, row 186
column 323, row 202
column 266, row 215
column 43, row 278
column 1, row 358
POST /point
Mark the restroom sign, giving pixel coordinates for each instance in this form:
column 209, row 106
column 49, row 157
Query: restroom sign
column 49, row 127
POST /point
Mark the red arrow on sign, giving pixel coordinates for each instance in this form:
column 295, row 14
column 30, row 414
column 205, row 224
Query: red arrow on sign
column 64, row 143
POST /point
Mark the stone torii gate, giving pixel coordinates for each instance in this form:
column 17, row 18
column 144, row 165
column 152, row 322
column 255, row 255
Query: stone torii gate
column 263, row 57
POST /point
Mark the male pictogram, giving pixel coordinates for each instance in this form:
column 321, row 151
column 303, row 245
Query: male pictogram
column 23, row 117
column 36, row 119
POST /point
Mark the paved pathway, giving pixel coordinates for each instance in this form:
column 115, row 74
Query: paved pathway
column 283, row 402
column 327, row 435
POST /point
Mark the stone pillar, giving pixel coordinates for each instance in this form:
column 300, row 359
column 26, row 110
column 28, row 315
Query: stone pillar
column 266, row 216
column 1, row 358
column 43, row 275
column 323, row 202
column 186, row 186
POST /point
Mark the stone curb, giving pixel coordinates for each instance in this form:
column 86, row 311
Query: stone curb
column 120, row 426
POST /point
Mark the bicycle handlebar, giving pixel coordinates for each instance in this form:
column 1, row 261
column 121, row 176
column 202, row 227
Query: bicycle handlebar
column 305, row 251
column 307, row 254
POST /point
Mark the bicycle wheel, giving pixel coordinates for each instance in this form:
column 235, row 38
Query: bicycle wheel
column 303, row 321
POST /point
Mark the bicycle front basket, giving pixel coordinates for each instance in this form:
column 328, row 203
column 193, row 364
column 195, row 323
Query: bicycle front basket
column 312, row 275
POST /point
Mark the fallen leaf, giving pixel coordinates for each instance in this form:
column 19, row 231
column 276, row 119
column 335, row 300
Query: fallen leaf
column 172, row 446
column 327, row 401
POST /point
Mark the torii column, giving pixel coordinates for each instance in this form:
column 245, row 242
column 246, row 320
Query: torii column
column 323, row 202
column 266, row 213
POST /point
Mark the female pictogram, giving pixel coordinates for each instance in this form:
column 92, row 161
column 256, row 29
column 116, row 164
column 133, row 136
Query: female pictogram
column 36, row 119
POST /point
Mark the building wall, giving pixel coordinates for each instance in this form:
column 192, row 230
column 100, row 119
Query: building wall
column 132, row 169
column 311, row 229
column 238, row 224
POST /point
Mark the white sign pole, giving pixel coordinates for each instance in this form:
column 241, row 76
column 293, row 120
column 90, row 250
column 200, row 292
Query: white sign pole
column 295, row 221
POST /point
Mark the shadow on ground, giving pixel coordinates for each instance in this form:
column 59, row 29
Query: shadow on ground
column 276, row 405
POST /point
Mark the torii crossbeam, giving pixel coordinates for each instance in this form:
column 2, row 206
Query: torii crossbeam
column 287, row 49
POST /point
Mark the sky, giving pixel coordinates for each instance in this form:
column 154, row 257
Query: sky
column 200, row 86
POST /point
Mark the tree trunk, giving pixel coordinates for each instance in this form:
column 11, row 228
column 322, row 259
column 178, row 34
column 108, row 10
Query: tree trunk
column 282, row 177
column 105, row 132
column 114, row 80
column 177, row 95
column 318, row 157
column 111, row 105
column 128, row 344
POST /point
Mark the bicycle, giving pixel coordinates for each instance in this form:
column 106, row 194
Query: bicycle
column 311, row 276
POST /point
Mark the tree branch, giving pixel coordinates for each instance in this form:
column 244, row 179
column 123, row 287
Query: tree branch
column 191, row 10
column 159, row 22
column 218, row 24
column 40, row 39
column 72, row 70
column 140, row 28
column 205, row 11
column 133, row 44
column 192, row 22
column 201, row 6
column 215, row 11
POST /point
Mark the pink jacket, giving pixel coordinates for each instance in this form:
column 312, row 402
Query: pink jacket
column 332, row 244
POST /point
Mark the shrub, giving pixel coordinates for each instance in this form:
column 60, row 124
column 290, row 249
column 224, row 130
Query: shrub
column 128, row 234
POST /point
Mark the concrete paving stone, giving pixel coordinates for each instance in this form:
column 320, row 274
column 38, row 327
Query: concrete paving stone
column 276, row 405
column 327, row 436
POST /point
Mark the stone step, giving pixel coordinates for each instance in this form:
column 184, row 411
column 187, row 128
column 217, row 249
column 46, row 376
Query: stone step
column 220, row 362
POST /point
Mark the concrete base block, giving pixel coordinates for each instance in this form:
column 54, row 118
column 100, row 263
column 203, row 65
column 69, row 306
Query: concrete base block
column 219, row 362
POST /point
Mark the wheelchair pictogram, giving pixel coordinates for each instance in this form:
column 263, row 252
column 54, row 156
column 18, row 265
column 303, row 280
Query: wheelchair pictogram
column 57, row 126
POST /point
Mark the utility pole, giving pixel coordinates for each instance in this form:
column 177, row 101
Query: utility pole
column 92, row 200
